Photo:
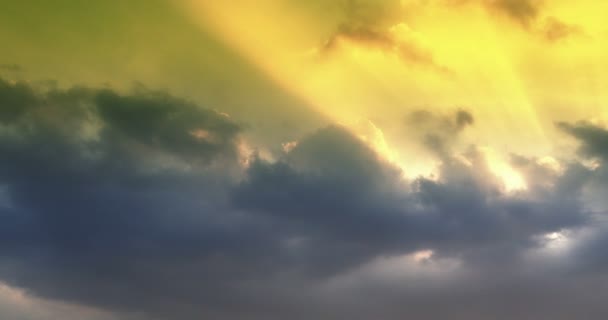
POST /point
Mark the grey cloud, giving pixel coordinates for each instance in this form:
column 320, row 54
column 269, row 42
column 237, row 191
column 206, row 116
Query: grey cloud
column 587, row 254
column 594, row 139
column 18, row 304
column 463, row 215
column 15, row 100
column 100, row 183
column 137, row 203
column 164, row 122
column 463, row 212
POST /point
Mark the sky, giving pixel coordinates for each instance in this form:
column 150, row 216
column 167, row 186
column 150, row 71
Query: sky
column 322, row 159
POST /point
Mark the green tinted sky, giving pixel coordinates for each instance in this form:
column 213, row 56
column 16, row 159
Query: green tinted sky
column 120, row 43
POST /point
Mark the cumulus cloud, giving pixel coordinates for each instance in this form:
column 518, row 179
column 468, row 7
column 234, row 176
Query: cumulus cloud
column 137, row 203
column 95, row 179
column 463, row 212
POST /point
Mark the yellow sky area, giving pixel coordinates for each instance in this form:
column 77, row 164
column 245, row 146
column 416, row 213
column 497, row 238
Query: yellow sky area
column 513, row 79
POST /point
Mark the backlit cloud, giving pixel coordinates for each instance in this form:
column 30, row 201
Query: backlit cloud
column 281, row 159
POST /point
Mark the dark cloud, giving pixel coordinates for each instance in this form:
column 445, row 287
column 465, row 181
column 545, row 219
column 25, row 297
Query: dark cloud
column 463, row 119
column 408, row 51
column 439, row 131
column 463, row 211
column 162, row 122
column 372, row 24
column 594, row 139
column 138, row 203
column 522, row 11
column 463, row 215
column 451, row 124
column 15, row 99
column 530, row 15
column 593, row 146
column 101, row 183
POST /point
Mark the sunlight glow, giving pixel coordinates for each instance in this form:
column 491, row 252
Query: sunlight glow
column 504, row 74
column 511, row 179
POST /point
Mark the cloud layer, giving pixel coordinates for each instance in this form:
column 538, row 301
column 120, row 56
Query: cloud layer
column 142, row 203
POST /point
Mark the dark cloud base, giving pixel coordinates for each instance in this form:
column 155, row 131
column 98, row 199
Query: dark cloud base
column 140, row 202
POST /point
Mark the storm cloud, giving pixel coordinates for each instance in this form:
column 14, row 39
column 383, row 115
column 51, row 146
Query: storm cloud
column 145, row 205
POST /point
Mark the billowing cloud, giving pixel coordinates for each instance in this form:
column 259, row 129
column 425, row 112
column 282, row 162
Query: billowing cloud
column 283, row 172
column 94, row 179
column 463, row 211
column 139, row 203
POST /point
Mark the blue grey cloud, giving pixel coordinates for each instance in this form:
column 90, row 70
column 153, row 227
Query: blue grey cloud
column 139, row 203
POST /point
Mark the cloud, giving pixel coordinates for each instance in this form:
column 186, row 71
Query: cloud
column 451, row 124
column 17, row 304
column 380, row 25
column 463, row 119
column 529, row 15
column 347, row 210
column 137, row 203
column 463, row 211
column 522, row 11
column 164, row 123
column 555, row 30
column 594, row 139
column 100, row 182
column 439, row 132
column 593, row 147
column 15, row 100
